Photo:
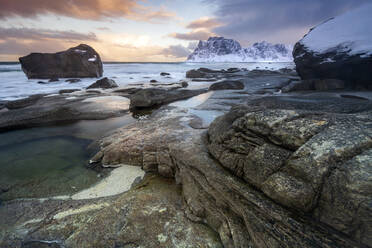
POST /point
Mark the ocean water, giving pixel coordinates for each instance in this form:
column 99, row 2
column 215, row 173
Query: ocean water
column 15, row 85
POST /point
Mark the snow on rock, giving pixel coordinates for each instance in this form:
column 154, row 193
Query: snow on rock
column 219, row 49
column 350, row 33
column 93, row 59
column 339, row 48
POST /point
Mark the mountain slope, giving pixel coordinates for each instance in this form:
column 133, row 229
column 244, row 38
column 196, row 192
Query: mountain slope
column 219, row 49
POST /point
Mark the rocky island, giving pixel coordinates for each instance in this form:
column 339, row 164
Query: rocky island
column 254, row 158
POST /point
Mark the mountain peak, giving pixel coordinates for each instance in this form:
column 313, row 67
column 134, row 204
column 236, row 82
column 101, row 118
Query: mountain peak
column 220, row 49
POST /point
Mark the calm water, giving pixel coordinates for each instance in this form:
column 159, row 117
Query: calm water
column 51, row 161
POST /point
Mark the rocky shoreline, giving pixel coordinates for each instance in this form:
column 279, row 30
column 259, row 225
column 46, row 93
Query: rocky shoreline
column 270, row 172
column 253, row 158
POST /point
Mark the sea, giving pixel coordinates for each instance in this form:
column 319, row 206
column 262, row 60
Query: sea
column 15, row 85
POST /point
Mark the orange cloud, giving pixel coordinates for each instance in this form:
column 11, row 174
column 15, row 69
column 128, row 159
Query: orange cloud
column 82, row 9
column 193, row 35
column 205, row 23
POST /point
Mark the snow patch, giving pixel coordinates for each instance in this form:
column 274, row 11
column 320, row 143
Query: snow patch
column 93, row 59
column 350, row 33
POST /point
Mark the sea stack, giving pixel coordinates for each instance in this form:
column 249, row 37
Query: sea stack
column 77, row 62
column 340, row 48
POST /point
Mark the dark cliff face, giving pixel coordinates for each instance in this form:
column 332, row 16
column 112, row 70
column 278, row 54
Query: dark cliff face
column 355, row 70
column 335, row 49
column 78, row 62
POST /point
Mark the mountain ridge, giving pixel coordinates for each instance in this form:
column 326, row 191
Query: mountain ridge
column 220, row 49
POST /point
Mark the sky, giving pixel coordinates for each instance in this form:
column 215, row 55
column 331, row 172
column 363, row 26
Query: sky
column 155, row 30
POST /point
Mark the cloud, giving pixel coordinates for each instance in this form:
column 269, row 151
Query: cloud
column 19, row 48
column 177, row 51
column 193, row 35
column 41, row 34
column 273, row 20
column 204, row 22
column 103, row 29
column 82, row 9
column 15, row 42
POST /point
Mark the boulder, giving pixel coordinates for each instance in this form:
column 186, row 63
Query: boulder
column 152, row 97
column 77, row 62
column 53, row 79
column 22, row 103
column 195, row 74
column 73, row 80
column 66, row 91
column 164, row 74
column 314, row 84
column 340, row 48
column 228, row 85
column 103, row 83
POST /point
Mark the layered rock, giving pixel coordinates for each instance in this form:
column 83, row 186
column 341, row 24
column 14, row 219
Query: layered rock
column 340, row 48
column 77, row 62
column 274, row 176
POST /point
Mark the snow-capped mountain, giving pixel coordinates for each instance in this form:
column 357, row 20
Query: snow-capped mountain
column 219, row 49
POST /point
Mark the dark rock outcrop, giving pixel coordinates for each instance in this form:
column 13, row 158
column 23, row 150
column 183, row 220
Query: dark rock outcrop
column 22, row 103
column 73, row 80
column 227, row 85
column 345, row 58
column 103, row 83
column 77, row 62
column 153, row 97
column 315, row 84
column 66, row 91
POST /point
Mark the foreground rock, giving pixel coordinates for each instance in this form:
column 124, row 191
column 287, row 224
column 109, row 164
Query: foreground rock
column 149, row 215
column 153, row 97
column 343, row 53
column 228, row 85
column 77, row 62
column 276, row 176
column 103, row 83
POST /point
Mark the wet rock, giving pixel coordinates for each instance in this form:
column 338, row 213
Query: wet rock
column 227, row 85
column 195, row 74
column 152, row 97
column 22, row 103
column 53, row 79
column 128, row 91
column 103, row 83
column 66, row 91
column 73, row 80
column 184, row 84
column 77, row 62
column 164, row 74
column 315, row 84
